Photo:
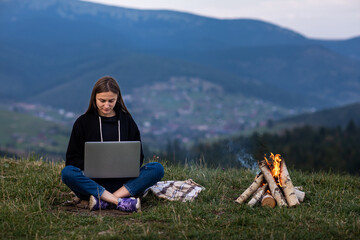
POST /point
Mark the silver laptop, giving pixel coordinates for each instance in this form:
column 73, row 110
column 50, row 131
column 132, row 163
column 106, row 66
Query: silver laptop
column 112, row 159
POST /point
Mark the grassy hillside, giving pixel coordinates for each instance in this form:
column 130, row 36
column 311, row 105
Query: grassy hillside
column 32, row 194
column 23, row 133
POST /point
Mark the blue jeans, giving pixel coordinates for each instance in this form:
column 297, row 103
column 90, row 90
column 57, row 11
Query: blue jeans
column 84, row 187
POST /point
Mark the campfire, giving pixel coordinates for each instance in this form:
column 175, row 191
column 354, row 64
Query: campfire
column 273, row 185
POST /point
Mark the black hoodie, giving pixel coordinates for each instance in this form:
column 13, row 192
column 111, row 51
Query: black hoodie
column 87, row 129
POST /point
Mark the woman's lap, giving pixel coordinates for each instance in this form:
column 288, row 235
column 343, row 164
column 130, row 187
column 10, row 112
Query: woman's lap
column 83, row 186
column 150, row 174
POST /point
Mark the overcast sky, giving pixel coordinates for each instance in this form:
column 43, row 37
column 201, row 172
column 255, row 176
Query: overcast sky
column 327, row 19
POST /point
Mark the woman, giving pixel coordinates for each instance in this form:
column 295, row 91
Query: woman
column 106, row 119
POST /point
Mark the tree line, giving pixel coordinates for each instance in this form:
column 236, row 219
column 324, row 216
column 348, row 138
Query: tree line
column 304, row 148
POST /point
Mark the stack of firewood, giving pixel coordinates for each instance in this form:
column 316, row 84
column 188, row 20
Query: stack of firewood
column 273, row 185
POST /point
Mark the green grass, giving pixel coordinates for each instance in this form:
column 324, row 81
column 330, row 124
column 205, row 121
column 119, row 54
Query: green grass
column 24, row 132
column 31, row 193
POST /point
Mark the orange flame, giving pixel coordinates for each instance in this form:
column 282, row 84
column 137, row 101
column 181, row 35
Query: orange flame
column 274, row 166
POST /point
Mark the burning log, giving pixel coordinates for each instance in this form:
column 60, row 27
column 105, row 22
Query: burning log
column 274, row 189
column 300, row 195
column 250, row 190
column 258, row 195
column 287, row 185
column 275, row 177
column 268, row 200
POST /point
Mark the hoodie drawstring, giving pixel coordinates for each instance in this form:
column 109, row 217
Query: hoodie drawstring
column 101, row 135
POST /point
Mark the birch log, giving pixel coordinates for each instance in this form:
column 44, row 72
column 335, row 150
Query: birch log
column 251, row 189
column 274, row 189
column 257, row 196
column 300, row 195
column 268, row 200
column 287, row 185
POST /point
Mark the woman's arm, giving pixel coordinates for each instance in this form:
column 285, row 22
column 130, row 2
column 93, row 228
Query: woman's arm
column 75, row 150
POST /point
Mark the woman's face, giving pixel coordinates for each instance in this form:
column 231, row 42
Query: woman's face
column 105, row 103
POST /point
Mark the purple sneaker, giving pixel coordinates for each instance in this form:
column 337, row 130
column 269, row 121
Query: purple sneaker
column 129, row 205
column 96, row 204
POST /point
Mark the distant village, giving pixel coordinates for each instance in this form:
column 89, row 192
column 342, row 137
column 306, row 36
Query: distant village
column 185, row 109
column 190, row 109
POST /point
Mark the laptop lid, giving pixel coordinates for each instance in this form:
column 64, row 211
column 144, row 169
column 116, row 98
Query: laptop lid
column 112, row 159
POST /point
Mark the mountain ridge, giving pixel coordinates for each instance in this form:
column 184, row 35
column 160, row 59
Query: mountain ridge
column 73, row 43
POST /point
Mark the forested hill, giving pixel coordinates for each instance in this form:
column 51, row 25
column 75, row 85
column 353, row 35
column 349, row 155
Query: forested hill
column 306, row 148
column 328, row 118
column 53, row 52
column 325, row 140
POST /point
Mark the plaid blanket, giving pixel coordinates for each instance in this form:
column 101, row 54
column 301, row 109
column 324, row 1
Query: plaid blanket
column 183, row 191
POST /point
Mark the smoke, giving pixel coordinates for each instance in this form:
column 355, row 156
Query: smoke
column 247, row 160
